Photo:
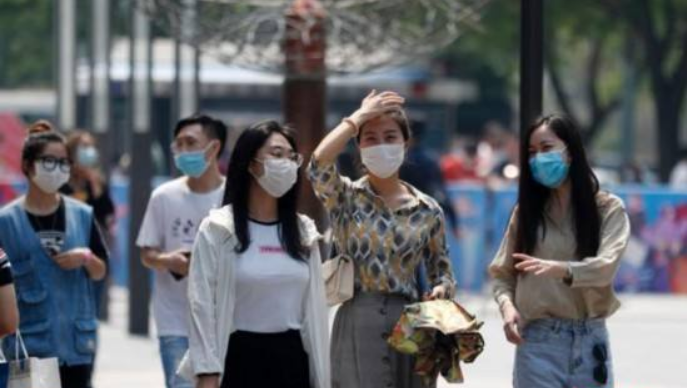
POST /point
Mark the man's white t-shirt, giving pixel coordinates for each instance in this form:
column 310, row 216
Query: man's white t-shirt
column 171, row 222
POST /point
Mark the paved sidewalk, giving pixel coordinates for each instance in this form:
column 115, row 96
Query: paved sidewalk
column 124, row 360
column 649, row 345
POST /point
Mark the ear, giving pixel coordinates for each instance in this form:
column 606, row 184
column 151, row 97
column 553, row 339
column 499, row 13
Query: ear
column 256, row 169
column 28, row 168
column 214, row 149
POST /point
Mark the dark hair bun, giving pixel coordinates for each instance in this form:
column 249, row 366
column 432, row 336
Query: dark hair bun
column 40, row 126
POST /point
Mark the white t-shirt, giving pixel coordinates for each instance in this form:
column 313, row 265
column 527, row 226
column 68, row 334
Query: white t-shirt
column 171, row 222
column 270, row 285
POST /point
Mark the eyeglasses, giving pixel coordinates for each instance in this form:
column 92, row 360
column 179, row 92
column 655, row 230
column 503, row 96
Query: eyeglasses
column 600, row 371
column 298, row 158
column 294, row 157
column 50, row 163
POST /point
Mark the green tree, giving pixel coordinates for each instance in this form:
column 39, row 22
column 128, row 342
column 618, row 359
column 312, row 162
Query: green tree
column 28, row 37
column 489, row 57
column 26, row 43
column 579, row 34
column 660, row 27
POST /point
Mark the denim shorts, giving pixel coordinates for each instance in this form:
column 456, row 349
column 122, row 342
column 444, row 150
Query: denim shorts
column 172, row 350
column 560, row 353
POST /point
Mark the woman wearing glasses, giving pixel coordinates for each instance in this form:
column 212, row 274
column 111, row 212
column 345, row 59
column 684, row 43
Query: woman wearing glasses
column 56, row 252
column 258, row 310
column 553, row 275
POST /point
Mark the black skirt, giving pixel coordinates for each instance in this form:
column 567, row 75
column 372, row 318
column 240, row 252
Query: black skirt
column 257, row 360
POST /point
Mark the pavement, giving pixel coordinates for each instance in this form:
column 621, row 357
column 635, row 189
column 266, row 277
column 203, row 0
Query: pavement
column 648, row 343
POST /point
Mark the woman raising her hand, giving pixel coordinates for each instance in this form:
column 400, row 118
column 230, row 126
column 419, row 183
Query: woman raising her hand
column 388, row 228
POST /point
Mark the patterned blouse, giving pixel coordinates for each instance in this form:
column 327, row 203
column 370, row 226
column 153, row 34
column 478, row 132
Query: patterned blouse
column 386, row 244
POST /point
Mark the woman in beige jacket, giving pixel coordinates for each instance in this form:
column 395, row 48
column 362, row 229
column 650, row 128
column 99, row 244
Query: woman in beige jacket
column 258, row 310
column 553, row 276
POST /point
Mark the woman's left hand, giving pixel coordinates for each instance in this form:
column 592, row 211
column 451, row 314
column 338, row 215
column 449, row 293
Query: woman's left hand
column 72, row 259
column 540, row 267
column 438, row 292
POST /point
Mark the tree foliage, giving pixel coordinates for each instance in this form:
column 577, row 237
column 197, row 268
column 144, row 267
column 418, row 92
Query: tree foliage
column 26, row 44
column 660, row 27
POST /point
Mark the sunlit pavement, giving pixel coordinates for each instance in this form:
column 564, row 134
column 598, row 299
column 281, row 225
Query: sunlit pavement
column 649, row 345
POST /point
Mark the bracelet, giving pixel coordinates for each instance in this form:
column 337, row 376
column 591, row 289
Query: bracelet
column 88, row 257
column 352, row 123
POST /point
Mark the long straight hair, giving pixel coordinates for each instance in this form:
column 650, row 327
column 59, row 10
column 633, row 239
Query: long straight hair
column 533, row 197
column 238, row 184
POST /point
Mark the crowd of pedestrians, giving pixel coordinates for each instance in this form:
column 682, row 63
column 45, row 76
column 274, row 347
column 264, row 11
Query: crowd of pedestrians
column 239, row 298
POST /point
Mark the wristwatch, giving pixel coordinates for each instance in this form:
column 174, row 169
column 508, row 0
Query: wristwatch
column 568, row 279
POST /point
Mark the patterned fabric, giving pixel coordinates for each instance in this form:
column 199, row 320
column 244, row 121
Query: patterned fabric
column 440, row 334
column 387, row 245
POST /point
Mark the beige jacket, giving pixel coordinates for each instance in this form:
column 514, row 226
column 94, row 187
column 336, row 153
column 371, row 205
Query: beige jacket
column 591, row 294
column 211, row 295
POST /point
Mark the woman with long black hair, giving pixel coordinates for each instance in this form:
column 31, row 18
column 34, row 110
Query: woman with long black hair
column 258, row 310
column 553, row 275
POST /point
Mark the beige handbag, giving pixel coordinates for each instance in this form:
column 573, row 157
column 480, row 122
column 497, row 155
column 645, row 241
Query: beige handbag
column 338, row 279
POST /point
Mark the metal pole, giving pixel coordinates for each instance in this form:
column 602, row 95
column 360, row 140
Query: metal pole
column 101, row 67
column 531, row 62
column 100, row 98
column 188, row 86
column 66, row 82
column 140, row 173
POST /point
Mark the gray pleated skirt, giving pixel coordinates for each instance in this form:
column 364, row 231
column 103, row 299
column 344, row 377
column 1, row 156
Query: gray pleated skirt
column 361, row 357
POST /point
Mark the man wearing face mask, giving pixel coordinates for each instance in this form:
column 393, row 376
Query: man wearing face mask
column 169, row 228
column 57, row 252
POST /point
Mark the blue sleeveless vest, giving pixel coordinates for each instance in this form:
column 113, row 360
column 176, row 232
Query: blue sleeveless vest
column 56, row 306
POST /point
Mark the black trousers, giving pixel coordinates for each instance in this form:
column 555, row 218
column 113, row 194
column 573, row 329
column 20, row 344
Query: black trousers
column 77, row 376
column 257, row 360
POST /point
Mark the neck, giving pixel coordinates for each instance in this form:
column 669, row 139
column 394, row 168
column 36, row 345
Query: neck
column 41, row 202
column 262, row 206
column 561, row 195
column 209, row 181
column 385, row 186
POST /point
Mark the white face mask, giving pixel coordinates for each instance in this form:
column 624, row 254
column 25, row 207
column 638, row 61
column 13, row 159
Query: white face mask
column 278, row 177
column 49, row 181
column 383, row 160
